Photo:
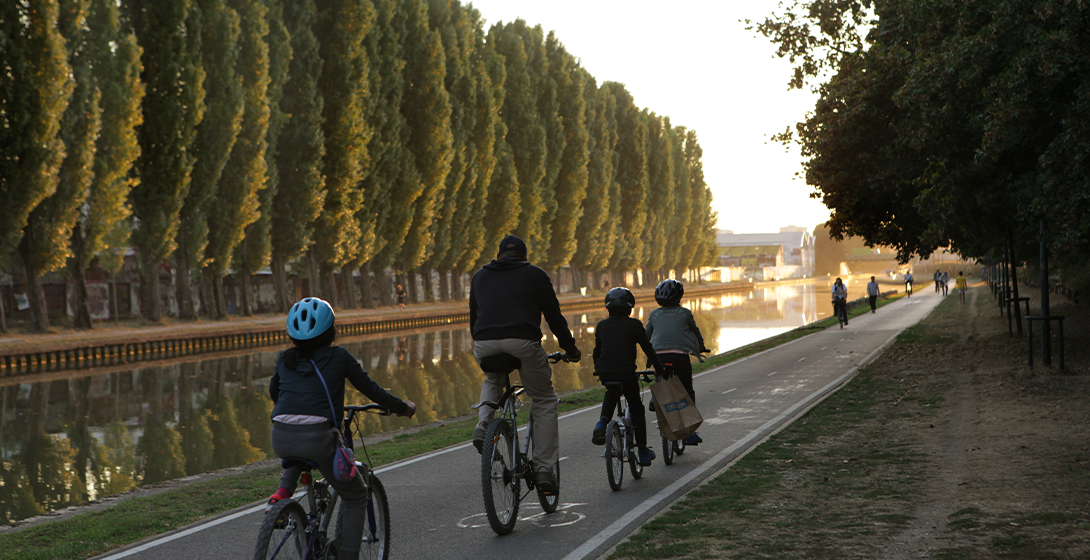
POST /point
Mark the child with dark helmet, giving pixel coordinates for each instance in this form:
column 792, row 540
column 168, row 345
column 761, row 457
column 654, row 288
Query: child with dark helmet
column 675, row 336
column 615, row 342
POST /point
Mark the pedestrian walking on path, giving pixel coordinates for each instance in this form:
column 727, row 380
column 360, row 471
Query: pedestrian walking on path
column 960, row 283
column 401, row 297
column 872, row 294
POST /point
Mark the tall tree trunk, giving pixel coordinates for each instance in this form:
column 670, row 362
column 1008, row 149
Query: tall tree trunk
column 314, row 274
column 457, row 288
column 1014, row 283
column 78, row 270
column 218, row 305
column 39, row 314
column 280, row 284
column 184, row 289
column 246, row 307
column 444, row 286
column 367, row 295
column 383, row 287
column 3, row 314
column 410, row 287
column 115, row 307
column 152, row 308
column 429, row 287
column 350, row 292
column 329, row 286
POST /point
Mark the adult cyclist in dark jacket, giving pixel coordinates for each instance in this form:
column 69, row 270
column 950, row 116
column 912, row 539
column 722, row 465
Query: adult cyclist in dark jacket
column 507, row 299
column 303, row 416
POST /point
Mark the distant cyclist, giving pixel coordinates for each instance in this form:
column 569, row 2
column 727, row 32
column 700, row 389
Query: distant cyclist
column 908, row 283
column 507, row 299
column 675, row 336
column 840, row 299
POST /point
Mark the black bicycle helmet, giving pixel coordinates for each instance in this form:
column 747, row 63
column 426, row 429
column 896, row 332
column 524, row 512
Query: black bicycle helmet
column 620, row 298
column 669, row 292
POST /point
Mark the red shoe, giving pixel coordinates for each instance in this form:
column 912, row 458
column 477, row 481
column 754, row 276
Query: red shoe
column 280, row 494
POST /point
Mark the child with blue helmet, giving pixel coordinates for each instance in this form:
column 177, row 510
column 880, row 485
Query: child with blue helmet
column 303, row 420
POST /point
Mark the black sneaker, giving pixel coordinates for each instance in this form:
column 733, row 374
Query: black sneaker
column 646, row 456
column 478, row 436
column 543, row 479
column 598, row 437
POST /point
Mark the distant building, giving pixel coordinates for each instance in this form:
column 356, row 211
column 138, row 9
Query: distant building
column 787, row 254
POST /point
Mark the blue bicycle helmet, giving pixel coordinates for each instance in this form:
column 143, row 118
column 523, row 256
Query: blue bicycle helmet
column 309, row 318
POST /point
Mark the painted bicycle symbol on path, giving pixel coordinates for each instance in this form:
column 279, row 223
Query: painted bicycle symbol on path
column 562, row 517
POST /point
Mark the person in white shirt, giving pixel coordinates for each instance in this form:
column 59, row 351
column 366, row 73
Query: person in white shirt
column 840, row 299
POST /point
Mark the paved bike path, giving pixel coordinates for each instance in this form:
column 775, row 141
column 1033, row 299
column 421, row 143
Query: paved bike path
column 435, row 500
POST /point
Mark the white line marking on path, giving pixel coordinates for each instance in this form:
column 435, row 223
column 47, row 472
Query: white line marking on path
column 730, row 391
column 771, row 374
column 635, row 513
column 802, row 359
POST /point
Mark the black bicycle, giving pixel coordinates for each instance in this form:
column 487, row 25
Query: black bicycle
column 292, row 532
column 505, row 465
column 621, row 437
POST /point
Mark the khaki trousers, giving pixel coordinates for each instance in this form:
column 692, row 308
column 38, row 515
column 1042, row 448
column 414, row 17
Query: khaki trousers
column 537, row 377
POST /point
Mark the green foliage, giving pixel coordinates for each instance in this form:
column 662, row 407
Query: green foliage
column 301, row 145
column 343, row 26
column 573, row 151
column 504, row 200
column 597, row 230
column 427, row 111
column 630, row 168
column 661, row 191
column 236, row 205
column 115, row 60
column 34, row 92
column 173, row 106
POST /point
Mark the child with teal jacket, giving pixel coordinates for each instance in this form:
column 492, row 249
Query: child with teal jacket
column 675, row 336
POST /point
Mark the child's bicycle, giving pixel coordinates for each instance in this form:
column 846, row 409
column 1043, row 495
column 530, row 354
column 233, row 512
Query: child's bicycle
column 675, row 448
column 621, row 438
column 291, row 532
column 503, row 462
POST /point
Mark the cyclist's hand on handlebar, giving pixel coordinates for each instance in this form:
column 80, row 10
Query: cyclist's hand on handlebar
column 573, row 355
column 410, row 409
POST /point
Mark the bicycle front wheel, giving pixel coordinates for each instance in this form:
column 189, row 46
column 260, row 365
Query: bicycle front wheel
column 633, row 458
column 498, row 477
column 614, row 454
column 283, row 534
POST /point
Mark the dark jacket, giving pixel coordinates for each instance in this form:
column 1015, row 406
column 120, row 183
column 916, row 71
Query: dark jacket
column 299, row 391
column 615, row 342
column 507, row 299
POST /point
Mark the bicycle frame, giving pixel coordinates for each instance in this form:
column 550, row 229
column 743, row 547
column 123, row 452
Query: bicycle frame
column 508, row 411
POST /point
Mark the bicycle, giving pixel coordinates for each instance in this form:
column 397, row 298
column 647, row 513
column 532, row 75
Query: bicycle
column 908, row 289
column 503, row 462
column 840, row 307
column 673, row 448
column 290, row 532
column 621, row 439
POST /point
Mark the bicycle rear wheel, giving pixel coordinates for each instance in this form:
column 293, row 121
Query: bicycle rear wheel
column 614, row 455
column 667, row 451
column 498, row 477
column 549, row 502
column 679, row 447
column 283, row 534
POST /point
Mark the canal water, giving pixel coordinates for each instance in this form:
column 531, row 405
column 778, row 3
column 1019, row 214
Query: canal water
column 79, row 438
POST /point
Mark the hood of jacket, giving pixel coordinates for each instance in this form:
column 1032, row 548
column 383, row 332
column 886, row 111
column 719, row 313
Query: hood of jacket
column 503, row 264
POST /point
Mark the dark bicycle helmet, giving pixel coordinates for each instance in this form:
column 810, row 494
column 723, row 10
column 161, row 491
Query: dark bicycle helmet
column 669, row 292
column 620, row 298
column 309, row 318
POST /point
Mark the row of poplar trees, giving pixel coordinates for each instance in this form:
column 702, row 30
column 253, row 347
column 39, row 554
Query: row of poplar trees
column 331, row 136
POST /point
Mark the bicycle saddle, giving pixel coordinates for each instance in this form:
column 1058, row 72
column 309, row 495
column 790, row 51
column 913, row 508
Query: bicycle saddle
column 500, row 363
column 305, row 464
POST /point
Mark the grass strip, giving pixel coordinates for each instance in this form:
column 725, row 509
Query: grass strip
column 95, row 533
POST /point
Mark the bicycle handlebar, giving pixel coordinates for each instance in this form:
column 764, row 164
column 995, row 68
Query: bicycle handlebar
column 376, row 408
column 557, row 357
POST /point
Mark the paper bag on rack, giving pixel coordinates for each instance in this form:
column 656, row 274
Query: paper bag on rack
column 675, row 410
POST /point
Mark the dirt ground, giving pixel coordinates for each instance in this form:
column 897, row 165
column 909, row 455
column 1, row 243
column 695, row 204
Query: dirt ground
column 947, row 446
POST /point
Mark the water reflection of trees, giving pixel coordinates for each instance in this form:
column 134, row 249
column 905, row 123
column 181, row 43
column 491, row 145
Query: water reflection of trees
column 68, row 441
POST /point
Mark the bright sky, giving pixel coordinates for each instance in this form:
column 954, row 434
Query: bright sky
column 693, row 60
